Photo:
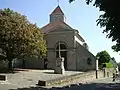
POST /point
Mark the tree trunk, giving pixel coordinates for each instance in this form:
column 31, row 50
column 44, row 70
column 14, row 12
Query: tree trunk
column 9, row 55
column 23, row 63
column 10, row 64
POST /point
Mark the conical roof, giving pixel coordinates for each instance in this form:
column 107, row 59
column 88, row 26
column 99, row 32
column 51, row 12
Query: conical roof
column 57, row 10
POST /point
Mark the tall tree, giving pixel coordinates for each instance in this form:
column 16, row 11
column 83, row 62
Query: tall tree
column 19, row 37
column 114, row 62
column 118, row 66
column 110, row 19
column 104, row 57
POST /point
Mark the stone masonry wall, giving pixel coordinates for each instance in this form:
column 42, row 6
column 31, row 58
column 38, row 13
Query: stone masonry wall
column 82, row 55
column 83, row 77
column 91, row 75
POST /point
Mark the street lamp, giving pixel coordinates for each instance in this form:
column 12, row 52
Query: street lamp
column 97, row 67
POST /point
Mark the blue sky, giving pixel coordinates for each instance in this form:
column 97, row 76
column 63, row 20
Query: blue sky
column 78, row 15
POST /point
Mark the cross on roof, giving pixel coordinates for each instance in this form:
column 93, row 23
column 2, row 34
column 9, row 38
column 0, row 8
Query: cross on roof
column 58, row 2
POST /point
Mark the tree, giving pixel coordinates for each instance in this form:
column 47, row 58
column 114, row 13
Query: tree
column 87, row 1
column 118, row 66
column 114, row 62
column 113, row 59
column 110, row 19
column 104, row 57
column 19, row 37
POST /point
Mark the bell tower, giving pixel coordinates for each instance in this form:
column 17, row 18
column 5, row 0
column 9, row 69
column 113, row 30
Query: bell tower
column 57, row 14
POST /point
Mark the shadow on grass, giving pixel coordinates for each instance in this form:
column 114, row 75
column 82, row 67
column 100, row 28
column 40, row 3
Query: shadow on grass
column 80, row 86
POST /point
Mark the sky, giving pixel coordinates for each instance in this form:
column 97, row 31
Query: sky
column 78, row 15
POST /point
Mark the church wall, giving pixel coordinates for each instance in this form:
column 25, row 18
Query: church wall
column 71, row 59
column 51, row 59
column 76, row 39
column 52, row 39
column 82, row 58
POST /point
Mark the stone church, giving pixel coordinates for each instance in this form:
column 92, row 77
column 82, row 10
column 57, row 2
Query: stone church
column 63, row 40
column 60, row 37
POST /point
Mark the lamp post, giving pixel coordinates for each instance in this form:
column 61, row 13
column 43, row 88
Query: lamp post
column 97, row 67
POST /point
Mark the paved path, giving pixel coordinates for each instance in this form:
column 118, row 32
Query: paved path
column 29, row 78
column 103, row 84
column 6, row 86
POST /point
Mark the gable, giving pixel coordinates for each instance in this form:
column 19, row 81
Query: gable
column 54, row 26
column 60, row 29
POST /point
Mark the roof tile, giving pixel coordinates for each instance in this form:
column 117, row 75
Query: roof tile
column 55, row 24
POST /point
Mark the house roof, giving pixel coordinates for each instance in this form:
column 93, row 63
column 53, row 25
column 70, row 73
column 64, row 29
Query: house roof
column 54, row 25
column 57, row 10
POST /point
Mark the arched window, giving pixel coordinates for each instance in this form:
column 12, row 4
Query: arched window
column 60, row 49
column 62, row 46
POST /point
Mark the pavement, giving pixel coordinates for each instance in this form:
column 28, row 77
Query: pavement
column 102, row 84
column 7, row 86
column 27, row 80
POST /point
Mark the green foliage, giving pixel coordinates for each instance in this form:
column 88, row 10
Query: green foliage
column 109, row 65
column 104, row 57
column 118, row 65
column 19, row 37
column 87, row 1
column 110, row 19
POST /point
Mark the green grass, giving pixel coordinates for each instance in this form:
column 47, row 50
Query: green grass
column 109, row 65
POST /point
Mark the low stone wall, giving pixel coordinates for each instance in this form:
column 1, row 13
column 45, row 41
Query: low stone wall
column 109, row 72
column 79, row 78
column 91, row 75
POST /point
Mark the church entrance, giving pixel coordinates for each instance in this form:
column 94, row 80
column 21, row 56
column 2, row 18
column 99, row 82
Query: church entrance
column 61, row 50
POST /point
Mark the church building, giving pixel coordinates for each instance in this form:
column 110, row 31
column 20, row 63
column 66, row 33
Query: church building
column 60, row 37
column 62, row 40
